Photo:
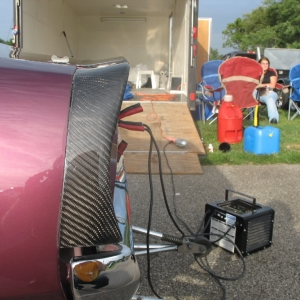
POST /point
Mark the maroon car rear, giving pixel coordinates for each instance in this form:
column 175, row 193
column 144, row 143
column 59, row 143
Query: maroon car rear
column 63, row 234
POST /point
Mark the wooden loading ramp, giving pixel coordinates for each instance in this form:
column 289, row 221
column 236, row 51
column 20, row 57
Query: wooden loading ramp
column 166, row 119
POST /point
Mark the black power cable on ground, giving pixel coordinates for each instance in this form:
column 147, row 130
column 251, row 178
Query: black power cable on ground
column 153, row 142
column 200, row 231
column 150, row 220
column 147, row 128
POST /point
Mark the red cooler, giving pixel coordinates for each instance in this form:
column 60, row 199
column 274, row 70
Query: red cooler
column 230, row 122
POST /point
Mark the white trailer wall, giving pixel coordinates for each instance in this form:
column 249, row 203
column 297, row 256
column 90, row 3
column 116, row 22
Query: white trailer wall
column 90, row 39
column 180, row 45
column 43, row 24
column 139, row 42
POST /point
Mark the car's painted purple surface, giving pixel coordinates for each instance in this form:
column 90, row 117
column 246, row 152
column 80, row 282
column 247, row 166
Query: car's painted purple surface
column 34, row 106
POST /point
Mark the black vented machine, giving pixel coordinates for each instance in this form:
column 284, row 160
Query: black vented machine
column 247, row 224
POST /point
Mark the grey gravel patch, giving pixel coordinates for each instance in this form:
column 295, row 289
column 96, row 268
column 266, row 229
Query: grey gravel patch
column 270, row 274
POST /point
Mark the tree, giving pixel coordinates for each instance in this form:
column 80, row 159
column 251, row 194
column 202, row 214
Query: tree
column 214, row 54
column 275, row 24
column 6, row 42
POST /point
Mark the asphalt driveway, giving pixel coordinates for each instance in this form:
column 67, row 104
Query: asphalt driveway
column 272, row 273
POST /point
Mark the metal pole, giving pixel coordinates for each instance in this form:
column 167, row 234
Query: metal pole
column 68, row 43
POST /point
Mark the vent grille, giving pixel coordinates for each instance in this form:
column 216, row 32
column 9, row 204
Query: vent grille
column 259, row 232
column 87, row 215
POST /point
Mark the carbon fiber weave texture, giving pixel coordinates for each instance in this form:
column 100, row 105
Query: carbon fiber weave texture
column 87, row 215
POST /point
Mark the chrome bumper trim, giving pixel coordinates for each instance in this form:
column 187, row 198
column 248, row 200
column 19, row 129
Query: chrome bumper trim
column 119, row 280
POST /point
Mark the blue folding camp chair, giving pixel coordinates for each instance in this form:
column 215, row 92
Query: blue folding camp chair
column 295, row 92
column 211, row 89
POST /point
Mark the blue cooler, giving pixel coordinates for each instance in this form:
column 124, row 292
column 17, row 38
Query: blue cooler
column 262, row 140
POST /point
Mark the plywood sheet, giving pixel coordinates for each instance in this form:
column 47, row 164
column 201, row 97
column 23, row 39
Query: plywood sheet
column 165, row 119
column 184, row 163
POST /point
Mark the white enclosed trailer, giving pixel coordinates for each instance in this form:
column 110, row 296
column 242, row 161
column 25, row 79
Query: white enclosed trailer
column 160, row 35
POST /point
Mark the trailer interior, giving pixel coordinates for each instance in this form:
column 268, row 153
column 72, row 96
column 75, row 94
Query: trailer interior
column 150, row 34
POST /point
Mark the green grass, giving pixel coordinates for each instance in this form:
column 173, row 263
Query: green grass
column 289, row 144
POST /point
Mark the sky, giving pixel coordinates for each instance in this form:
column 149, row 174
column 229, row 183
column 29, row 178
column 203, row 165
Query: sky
column 223, row 12
column 6, row 19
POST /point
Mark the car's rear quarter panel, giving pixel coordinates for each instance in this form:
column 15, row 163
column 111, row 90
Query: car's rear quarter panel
column 35, row 100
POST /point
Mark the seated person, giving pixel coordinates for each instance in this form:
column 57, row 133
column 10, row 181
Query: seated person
column 265, row 90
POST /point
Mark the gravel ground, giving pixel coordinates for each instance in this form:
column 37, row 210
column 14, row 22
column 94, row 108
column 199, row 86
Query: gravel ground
column 272, row 273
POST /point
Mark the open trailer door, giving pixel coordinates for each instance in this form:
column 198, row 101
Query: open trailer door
column 192, row 68
column 183, row 50
column 66, row 28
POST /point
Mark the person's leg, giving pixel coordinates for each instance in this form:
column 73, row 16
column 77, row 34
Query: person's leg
column 270, row 100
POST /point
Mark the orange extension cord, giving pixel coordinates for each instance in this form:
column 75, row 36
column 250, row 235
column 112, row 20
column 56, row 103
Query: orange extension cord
column 153, row 116
column 155, row 97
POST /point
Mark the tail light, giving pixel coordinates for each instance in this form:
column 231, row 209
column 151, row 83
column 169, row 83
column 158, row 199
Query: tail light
column 192, row 96
column 195, row 32
column 194, row 50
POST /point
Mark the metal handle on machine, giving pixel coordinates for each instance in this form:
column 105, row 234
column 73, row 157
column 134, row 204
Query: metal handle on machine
column 227, row 192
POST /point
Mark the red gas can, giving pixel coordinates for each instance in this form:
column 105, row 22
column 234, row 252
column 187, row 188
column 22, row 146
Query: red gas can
column 230, row 122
